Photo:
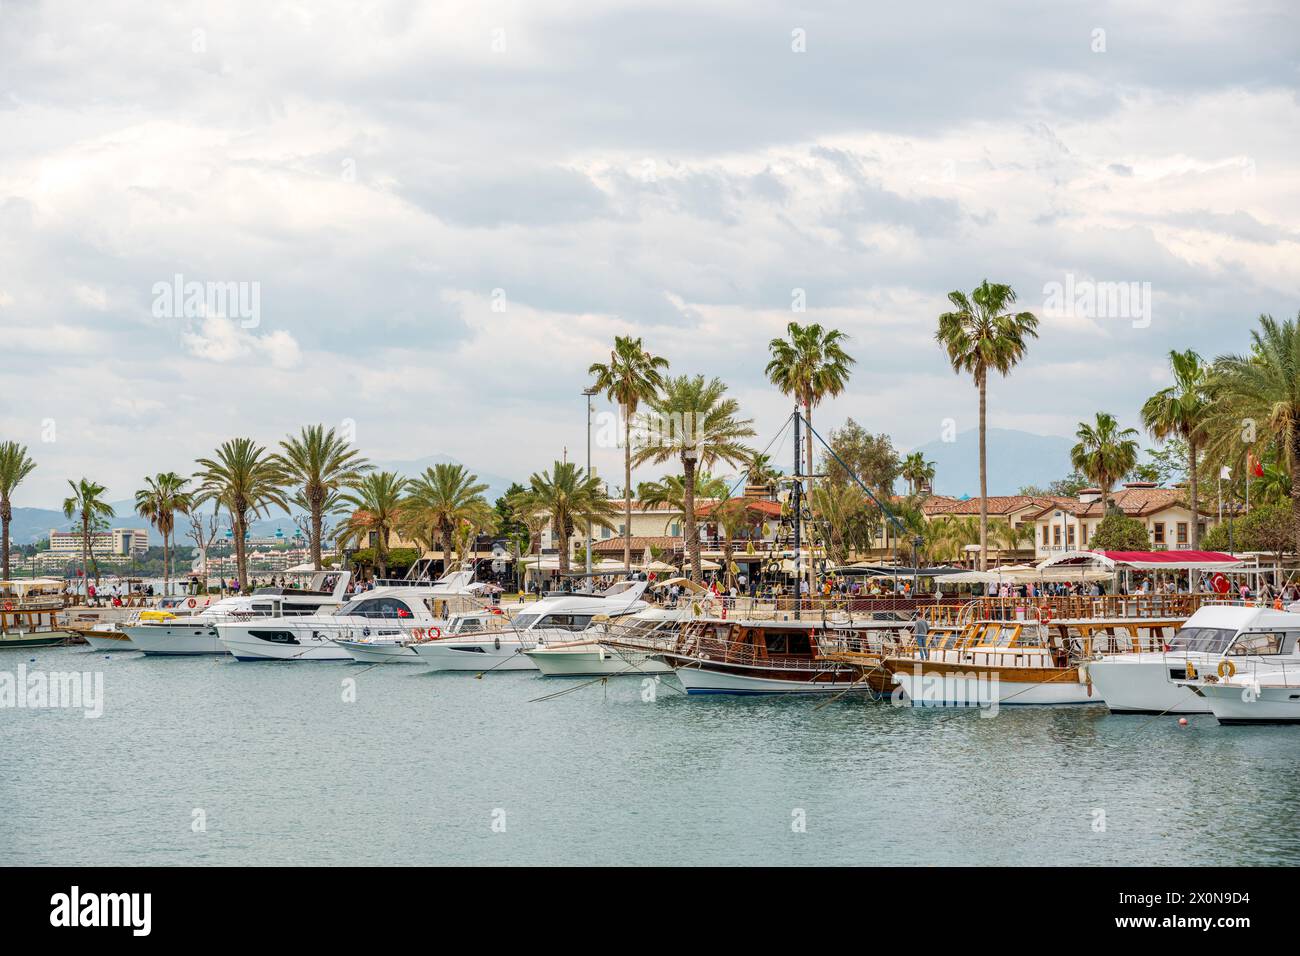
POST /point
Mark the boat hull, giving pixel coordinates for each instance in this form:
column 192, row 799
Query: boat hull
column 1240, row 704
column 475, row 656
column 593, row 661
column 34, row 639
column 940, row 684
column 108, row 641
column 712, row 680
column 364, row 652
column 248, row 647
column 174, row 640
column 1144, row 685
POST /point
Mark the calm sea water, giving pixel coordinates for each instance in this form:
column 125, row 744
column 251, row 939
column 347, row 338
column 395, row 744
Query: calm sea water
column 420, row 767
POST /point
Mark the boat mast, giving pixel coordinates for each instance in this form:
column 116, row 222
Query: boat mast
column 796, row 504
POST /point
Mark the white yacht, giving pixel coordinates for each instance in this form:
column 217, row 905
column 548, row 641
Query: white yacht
column 193, row 629
column 396, row 613
column 1156, row 682
column 392, row 641
column 586, row 656
column 554, row 619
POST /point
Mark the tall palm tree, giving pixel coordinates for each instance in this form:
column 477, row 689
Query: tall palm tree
column 442, row 501
column 244, row 479
column 1181, row 410
column 761, row 471
column 320, row 463
column 87, row 505
column 377, row 498
column 159, row 501
column 14, row 467
column 810, row 364
column 917, row 471
column 631, row 376
column 704, row 430
column 1104, row 453
column 1255, row 402
column 980, row 337
column 571, row 500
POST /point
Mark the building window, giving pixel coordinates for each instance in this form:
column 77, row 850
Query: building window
column 1045, row 534
column 1070, row 535
column 676, row 529
column 605, row 532
column 1056, row 535
column 1158, row 532
column 1182, row 532
column 1083, row 530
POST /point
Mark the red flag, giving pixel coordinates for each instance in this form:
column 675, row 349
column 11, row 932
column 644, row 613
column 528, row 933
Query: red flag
column 1254, row 466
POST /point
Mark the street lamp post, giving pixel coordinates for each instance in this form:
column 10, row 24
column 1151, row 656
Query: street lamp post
column 587, row 393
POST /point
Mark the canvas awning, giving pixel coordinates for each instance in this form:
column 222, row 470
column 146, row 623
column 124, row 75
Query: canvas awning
column 1146, row 560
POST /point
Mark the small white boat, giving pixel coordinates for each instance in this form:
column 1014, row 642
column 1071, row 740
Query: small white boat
column 1158, row 682
column 589, row 657
column 396, row 644
column 554, row 619
column 106, row 637
column 192, row 629
column 1256, row 695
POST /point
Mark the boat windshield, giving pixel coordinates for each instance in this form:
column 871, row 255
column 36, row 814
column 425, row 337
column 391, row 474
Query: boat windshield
column 1208, row 640
column 524, row 621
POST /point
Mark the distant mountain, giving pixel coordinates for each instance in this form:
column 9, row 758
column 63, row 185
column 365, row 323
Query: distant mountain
column 1015, row 459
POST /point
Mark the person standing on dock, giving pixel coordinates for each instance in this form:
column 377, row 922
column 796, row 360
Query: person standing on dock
column 920, row 631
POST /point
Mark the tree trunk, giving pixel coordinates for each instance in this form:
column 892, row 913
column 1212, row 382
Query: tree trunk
column 241, row 559
column 85, row 552
column 315, row 532
column 5, row 517
column 984, row 477
column 808, row 443
column 688, row 519
column 381, row 551
column 627, row 490
column 166, row 567
column 1192, row 493
column 563, row 535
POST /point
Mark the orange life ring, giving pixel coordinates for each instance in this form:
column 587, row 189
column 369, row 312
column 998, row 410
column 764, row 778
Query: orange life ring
column 9, row 605
column 417, row 633
column 1045, row 615
column 497, row 610
column 1227, row 668
column 193, row 603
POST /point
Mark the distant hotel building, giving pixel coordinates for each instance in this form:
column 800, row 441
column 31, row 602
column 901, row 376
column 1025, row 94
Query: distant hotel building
column 119, row 541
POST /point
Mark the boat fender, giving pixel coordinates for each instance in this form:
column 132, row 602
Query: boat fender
column 192, row 603
column 417, row 633
column 1227, row 668
column 1191, row 671
column 496, row 642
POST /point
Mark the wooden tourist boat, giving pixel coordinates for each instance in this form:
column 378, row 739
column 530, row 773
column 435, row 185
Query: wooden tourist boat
column 29, row 613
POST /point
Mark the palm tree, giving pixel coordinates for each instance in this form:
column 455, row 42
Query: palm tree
column 917, row 472
column 377, row 498
column 320, row 462
column 440, row 502
column 704, row 430
column 1104, row 453
column 632, row 375
column 571, row 500
column 1180, row 411
column 14, row 467
column 980, row 337
column 159, row 501
column 246, row 480
column 1010, row 537
column 809, row 364
column 87, row 505
column 845, row 516
column 1255, row 403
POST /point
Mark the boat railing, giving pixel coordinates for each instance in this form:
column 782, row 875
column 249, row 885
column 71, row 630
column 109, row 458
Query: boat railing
column 1156, row 606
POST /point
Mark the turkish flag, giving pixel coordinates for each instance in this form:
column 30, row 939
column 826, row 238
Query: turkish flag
column 1254, row 467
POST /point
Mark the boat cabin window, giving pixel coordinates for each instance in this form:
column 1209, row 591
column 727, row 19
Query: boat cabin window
column 567, row 622
column 469, row 624
column 379, row 607
column 524, row 621
column 1262, row 643
column 1210, row 640
column 788, row 642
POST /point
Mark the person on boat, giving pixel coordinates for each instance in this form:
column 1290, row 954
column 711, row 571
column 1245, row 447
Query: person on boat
column 920, row 631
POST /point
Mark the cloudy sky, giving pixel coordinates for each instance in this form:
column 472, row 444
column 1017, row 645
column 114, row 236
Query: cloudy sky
column 450, row 209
